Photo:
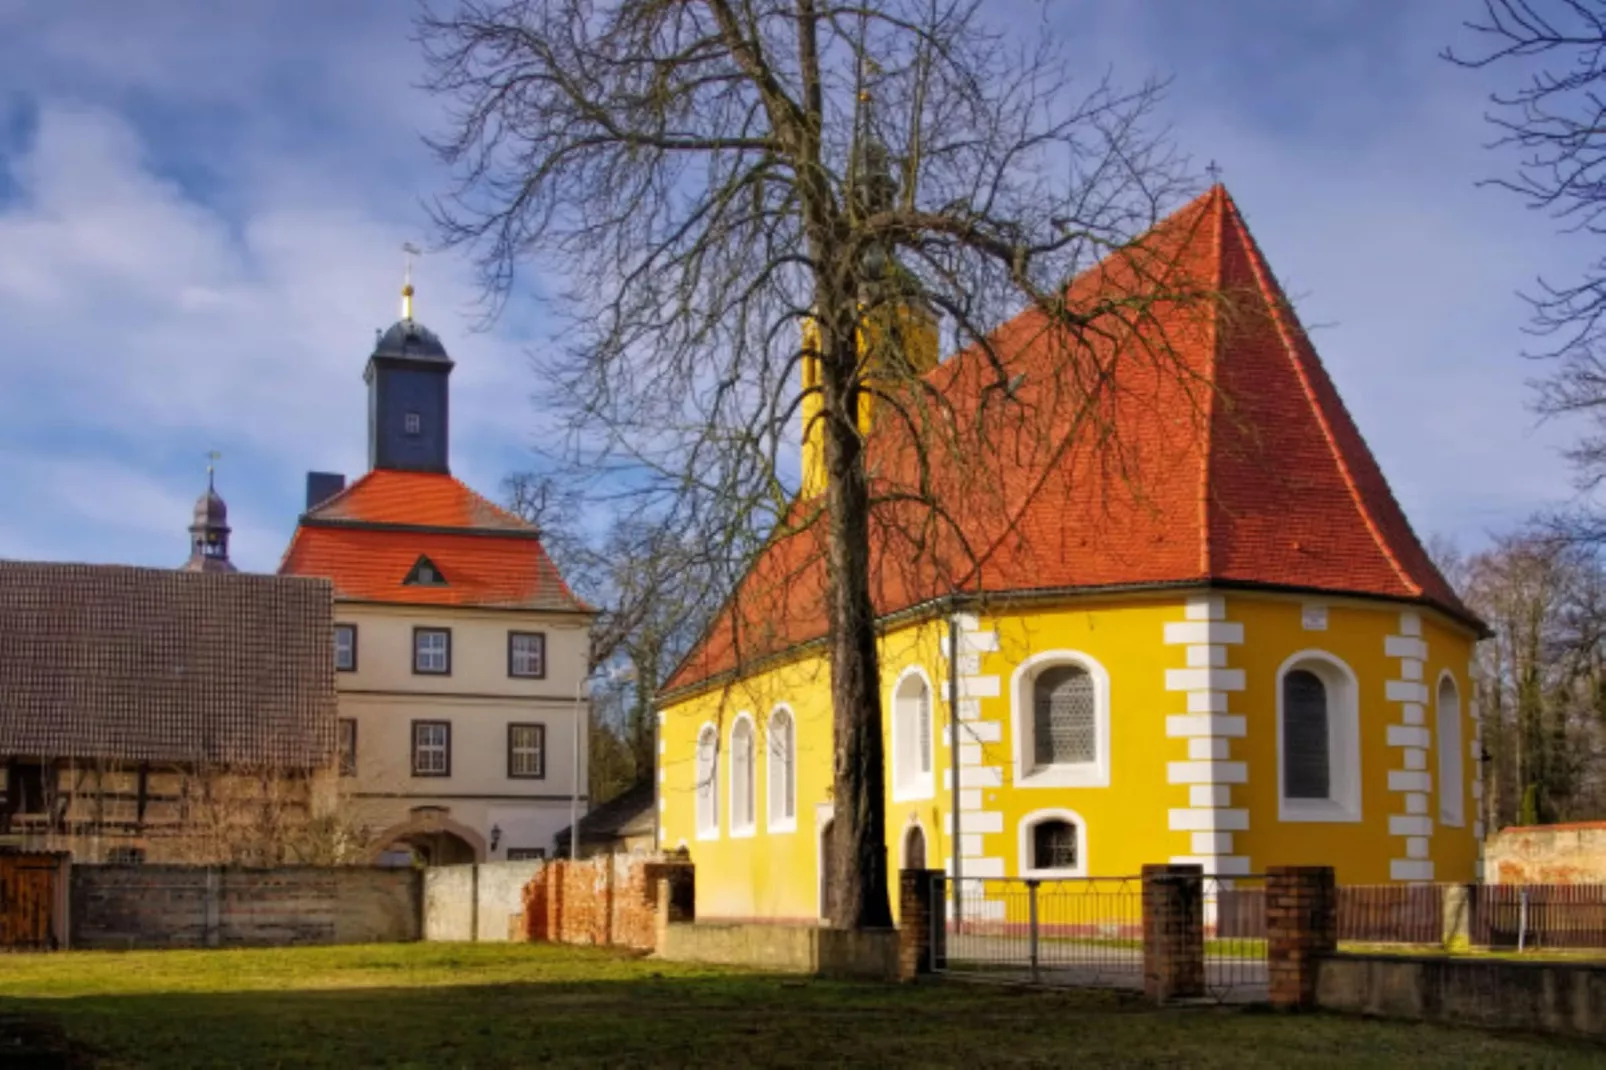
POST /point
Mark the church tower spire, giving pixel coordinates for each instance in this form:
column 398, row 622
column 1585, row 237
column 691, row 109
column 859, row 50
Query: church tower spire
column 209, row 528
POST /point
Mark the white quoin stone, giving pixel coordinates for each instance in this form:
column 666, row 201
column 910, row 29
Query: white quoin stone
column 1192, row 632
column 1206, row 607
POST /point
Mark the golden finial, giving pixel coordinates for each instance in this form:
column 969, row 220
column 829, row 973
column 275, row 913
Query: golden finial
column 212, row 457
column 411, row 251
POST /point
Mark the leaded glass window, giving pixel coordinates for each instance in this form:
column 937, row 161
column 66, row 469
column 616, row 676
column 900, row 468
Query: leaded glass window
column 1064, row 723
column 1306, row 759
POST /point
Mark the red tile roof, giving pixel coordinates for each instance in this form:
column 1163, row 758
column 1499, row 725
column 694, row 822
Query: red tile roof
column 368, row 537
column 1195, row 440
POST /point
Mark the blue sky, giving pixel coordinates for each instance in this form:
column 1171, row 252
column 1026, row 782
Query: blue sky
column 201, row 209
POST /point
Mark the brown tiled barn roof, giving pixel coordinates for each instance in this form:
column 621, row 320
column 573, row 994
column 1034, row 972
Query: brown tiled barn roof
column 143, row 664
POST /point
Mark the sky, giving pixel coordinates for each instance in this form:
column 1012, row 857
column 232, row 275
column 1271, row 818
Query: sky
column 202, row 207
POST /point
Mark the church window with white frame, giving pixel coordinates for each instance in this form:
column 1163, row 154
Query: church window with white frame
column 1318, row 740
column 912, row 758
column 1451, row 781
column 742, row 774
column 707, row 787
column 1060, row 704
column 782, row 771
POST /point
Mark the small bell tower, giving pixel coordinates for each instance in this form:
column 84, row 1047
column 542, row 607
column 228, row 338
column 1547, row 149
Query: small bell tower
column 408, row 393
column 209, row 529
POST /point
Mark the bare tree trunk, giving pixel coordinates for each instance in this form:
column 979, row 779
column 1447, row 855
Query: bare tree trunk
column 858, row 899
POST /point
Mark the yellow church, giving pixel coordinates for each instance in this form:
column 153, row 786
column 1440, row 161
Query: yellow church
column 1228, row 649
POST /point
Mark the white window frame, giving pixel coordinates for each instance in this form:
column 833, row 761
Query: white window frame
column 706, row 777
column 1452, row 774
column 776, row 819
column 1037, row 817
column 349, row 632
column 1343, row 742
column 907, row 785
column 742, row 825
column 1022, row 703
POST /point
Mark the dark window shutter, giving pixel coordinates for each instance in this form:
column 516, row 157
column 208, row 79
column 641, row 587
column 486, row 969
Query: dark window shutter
column 1306, row 762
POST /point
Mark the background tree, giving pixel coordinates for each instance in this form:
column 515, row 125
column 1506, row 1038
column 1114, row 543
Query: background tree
column 737, row 191
column 654, row 592
column 1541, row 677
column 1554, row 119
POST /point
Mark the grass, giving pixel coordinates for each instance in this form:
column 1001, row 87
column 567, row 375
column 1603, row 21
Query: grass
column 457, row 1005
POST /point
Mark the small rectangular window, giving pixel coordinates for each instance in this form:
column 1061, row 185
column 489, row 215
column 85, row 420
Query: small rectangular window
column 125, row 856
column 432, row 651
column 432, row 748
column 348, row 746
column 526, row 654
column 526, row 751
column 346, row 648
column 413, row 423
column 526, row 854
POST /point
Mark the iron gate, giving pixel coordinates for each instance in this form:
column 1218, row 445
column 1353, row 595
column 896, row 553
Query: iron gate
column 1087, row 932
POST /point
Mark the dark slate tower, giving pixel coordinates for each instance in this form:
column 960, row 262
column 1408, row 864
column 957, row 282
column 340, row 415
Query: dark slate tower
column 407, row 396
column 209, row 531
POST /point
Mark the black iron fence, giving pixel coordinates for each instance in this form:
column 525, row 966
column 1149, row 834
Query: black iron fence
column 1088, row 932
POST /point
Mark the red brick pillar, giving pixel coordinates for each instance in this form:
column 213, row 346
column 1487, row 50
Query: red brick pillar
column 1173, row 932
column 1301, row 928
column 920, row 921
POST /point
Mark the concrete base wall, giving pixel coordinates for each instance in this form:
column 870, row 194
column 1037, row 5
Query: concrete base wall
column 839, row 953
column 476, row 902
column 1550, row 997
column 201, row 906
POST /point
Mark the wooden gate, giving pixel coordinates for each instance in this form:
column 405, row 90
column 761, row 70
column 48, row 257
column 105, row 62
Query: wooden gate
column 31, row 894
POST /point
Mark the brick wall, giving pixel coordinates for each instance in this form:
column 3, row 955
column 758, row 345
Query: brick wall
column 205, row 906
column 603, row 901
column 1547, row 854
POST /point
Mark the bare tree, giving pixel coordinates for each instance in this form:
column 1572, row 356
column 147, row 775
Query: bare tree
column 1541, row 677
column 759, row 206
column 1555, row 120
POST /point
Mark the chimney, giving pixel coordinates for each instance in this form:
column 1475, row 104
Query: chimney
column 321, row 486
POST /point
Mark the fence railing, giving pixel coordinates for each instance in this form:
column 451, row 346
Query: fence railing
column 1514, row 916
column 1088, row 932
column 1533, row 916
column 1391, row 913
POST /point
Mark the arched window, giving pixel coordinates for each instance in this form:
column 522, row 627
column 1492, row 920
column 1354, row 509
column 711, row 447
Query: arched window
column 1451, row 788
column 1061, row 720
column 741, row 776
column 707, row 783
column 782, row 772
column 1306, row 747
column 1063, row 717
column 1318, row 740
column 911, row 737
column 1052, row 844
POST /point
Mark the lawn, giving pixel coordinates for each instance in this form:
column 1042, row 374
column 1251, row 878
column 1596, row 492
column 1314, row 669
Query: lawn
column 458, row 1005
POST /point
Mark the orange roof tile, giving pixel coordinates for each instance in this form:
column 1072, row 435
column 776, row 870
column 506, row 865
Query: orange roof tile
column 367, row 538
column 1202, row 443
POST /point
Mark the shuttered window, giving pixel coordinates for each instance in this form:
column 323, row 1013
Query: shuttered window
column 1306, row 748
column 1064, row 728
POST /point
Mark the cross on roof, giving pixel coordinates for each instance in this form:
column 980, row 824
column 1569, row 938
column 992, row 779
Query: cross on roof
column 1214, row 171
